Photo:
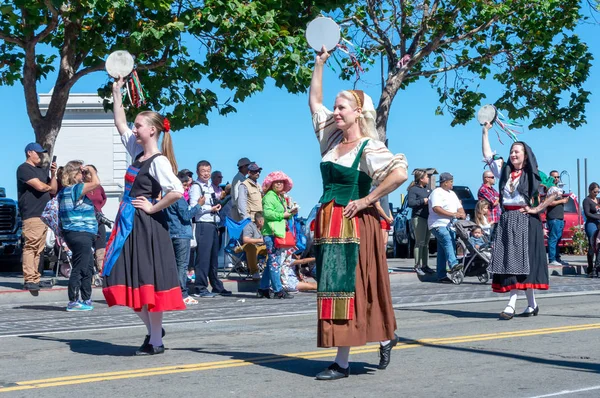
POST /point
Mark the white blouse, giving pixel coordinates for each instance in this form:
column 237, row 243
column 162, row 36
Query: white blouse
column 160, row 169
column 508, row 198
column 377, row 160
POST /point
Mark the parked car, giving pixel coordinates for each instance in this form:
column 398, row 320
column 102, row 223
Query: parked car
column 404, row 237
column 572, row 219
column 10, row 233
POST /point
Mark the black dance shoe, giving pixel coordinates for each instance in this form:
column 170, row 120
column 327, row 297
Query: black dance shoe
column 385, row 353
column 507, row 315
column 532, row 313
column 149, row 349
column 334, row 372
column 266, row 293
column 147, row 340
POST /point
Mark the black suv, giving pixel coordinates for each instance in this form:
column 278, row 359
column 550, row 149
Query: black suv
column 10, row 228
column 404, row 237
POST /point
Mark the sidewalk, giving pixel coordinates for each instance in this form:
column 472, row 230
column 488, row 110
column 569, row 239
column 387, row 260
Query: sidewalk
column 401, row 270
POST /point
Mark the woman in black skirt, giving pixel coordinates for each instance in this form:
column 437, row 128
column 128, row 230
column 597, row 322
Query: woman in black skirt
column 518, row 256
column 139, row 267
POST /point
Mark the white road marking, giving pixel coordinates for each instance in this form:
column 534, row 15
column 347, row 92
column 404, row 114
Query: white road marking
column 112, row 327
column 565, row 392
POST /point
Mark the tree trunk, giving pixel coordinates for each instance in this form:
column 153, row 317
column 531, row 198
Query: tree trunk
column 392, row 85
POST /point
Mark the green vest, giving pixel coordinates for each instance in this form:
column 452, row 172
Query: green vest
column 343, row 184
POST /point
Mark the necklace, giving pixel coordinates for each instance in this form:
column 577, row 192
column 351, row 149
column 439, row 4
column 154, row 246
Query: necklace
column 345, row 142
column 514, row 180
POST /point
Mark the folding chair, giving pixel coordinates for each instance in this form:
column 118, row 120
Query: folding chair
column 233, row 250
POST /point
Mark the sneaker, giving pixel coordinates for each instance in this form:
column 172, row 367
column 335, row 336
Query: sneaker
column 88, row 303
column 32, row 287
column 205, row 294
column 564, row 263
column 225, row 293
column 454, row 268
column 427, row 270
column 46, row 284
column 419, row 271
column 256, row 275
column 77, row 306
column 190, row 300
column 555, row 263
column 282, row 295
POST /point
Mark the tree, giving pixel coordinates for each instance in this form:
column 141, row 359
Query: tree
column 177, row 45
column 527, row 46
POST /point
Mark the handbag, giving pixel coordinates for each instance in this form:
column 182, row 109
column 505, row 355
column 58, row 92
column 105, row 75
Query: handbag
column 288, row 241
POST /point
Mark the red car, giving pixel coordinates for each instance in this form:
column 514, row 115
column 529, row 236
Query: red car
column 572, row 219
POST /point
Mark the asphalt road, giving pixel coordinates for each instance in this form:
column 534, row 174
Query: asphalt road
column 452, row 345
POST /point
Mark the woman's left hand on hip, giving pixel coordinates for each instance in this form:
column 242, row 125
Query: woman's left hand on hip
column 354, row 207
column 143, row 204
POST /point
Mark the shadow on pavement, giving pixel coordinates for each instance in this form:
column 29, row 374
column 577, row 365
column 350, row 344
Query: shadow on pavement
column 457, row 313
column 299, row 366
column 41, row 307
column 91, row 347
column 572, row 365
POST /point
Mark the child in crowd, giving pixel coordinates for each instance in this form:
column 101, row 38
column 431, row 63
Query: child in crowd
column 476, row 238
column 179, row 218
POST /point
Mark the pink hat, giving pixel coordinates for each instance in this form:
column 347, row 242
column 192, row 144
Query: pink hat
column 277, row 176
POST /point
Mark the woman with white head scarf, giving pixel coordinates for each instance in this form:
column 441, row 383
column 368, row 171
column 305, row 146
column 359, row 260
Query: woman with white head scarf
column 354, row 297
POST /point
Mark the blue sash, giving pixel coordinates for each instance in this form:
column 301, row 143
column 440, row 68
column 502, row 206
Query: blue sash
column 121, row 230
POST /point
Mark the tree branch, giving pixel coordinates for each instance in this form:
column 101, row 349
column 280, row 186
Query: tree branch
column 13, row 40
column 402, row 26
column 470, row 33
column 365, row 29
column 454, row 66
column 51, row 26
column 421, row 32
column 157, row 64
column 385, row 41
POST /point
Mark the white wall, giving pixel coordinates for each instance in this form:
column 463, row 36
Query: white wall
column 88, row 134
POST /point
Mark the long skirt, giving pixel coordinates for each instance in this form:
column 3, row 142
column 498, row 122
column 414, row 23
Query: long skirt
column 145, row 273
column 374, row 318
column 511, row 249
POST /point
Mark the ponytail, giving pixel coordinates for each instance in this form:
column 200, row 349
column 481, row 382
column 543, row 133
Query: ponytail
column 167, row 150
column 163, row 125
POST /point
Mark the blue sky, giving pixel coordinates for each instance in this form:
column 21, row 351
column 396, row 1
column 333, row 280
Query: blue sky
column 274, row 129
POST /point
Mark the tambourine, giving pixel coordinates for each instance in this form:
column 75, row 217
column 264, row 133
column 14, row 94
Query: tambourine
column 119, row 63
column 323, row 31
column 487, row 114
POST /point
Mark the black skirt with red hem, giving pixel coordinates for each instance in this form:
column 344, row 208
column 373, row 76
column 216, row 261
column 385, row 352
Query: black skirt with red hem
column 169, row 300
column 538, row 277
column 145, row 274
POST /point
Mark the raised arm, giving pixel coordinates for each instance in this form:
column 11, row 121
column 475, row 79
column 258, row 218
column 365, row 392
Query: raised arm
column 486, row 149
column 118, row 111
column 315, row 94
column 93, row 183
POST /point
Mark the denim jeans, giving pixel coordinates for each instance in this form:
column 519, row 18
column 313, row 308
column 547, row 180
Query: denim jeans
column 181, row 246
column 446, row 249
column 272, row 274
column 555, row 231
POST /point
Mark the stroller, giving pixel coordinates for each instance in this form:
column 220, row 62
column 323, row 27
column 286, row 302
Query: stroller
column 475, row 261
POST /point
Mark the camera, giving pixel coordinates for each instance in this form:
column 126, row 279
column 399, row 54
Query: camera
column 102, row 219
column 214, row 199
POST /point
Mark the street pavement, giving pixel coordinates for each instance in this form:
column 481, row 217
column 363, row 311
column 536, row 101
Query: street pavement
column 452, row 345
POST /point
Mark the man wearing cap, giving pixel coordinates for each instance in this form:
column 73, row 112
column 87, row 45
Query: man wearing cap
column 240, row 177
column 34, row 188
column 444, row 206
column 249, row 201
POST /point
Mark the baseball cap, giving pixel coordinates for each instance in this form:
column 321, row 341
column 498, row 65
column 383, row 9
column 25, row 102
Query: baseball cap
column 446, row 177
column 244, row 162
column 254, row 167
column 34, row 146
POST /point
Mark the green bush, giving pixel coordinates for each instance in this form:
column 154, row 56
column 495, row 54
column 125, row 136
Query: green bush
column 579, row 244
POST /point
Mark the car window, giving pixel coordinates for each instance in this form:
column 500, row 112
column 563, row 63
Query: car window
column 570, row 206
column 463, row 192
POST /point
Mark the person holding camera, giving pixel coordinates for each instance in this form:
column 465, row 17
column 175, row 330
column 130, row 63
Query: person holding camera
column 98, row 198
column 79, row 228
column 206, row 222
